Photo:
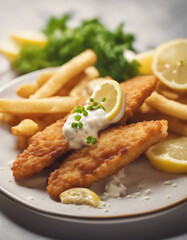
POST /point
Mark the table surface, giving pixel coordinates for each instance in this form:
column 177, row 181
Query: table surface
column 152, row 22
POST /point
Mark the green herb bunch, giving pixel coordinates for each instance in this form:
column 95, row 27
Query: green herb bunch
column 65, row 42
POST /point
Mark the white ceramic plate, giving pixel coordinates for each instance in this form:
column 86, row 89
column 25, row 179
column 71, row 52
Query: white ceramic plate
column 163, row 190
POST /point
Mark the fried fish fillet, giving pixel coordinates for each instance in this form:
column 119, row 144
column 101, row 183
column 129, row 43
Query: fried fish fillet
column 49, row 144
column 116, row 147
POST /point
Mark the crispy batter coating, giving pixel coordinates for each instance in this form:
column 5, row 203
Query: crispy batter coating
column 136, row 91
column 49, row 144
column 116, row 147
column 42, row 151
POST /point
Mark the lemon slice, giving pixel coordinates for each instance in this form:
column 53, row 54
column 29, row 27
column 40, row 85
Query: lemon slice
column 170, row 155
column 112, row 92
column 35, row 38
column 170, row 64
column 10, row 49
column 80, row 196
column 145, row 60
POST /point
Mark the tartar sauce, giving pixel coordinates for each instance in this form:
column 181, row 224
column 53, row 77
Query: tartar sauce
column 92, row 123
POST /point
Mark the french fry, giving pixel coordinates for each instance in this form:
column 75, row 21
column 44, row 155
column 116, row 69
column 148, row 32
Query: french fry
column 148, row 113
column 66, row 72
column 14, row 119
column 8, row 118
column 65, row 90
column 177, row 126
column 166, row 91
column 26, row 90
column 169, row 94
column 167, row 106
column 183, row 100
column 44, row 77
column 89, row 74
column 43, row 105
column 27, row 128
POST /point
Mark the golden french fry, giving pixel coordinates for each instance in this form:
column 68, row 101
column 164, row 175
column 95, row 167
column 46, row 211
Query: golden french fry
column 66, row 72
column 177, row 126
column 6, row 118
column 44, row 77
column 166, row 91
column 89, row 74
column 167, row 106
column 148, row 113
column 9, row 118
column 26, row 90
column 64, row 91
column 43, row 105
column 27, row 127
column 183, row 100
column 169, row 94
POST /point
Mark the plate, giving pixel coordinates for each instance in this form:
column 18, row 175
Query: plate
column 148, row 190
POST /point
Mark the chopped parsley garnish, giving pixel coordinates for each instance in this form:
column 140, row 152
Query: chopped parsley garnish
column 78, row 109
column 85, row 113
column 78, row 117
column 180, row 63
column 96, row 105
column 91, row 140
column 80, row 125
column 74, row 125
column 81, row 110
column 65, row 42
column 103, row 99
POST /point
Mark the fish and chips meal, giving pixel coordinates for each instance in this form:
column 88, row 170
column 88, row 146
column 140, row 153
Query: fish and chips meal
column 94, row 126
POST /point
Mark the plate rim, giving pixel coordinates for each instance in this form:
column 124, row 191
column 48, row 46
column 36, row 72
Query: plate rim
column 102, row 219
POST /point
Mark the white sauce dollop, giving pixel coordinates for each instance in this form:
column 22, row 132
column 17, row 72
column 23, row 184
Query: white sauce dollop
column 94, row 122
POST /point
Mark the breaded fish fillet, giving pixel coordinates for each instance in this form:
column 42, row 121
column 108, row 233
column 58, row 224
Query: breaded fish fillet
column 49, row 144
column 116, row 148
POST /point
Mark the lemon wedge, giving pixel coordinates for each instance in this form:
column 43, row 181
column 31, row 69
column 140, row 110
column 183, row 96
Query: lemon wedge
column 170, row 64
column 10, row 50
column 80, row 196
column 111, row 90
column 170, row 155
column 145, row 60
column 35, row 38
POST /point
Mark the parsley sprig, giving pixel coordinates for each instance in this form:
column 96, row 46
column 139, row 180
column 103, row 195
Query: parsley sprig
column 81, row 110
column 78, row 123
column 65, row 42
column 91, row 140
column 96, row 105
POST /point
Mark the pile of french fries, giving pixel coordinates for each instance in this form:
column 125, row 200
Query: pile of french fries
column 165, row 103
column 52, row 96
